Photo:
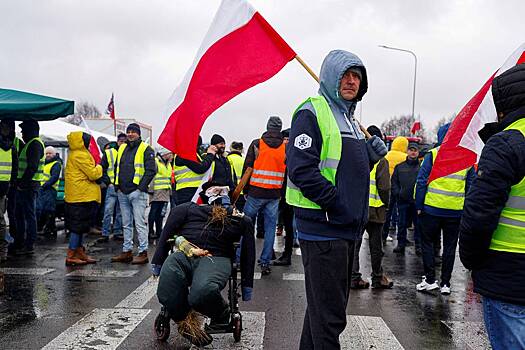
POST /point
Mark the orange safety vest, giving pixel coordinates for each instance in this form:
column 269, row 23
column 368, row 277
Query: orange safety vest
column 269, row 167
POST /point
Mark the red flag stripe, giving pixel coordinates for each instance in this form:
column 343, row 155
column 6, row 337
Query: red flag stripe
column 522, row 58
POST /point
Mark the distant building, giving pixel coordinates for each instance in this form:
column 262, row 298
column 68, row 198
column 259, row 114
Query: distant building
column 107, row 126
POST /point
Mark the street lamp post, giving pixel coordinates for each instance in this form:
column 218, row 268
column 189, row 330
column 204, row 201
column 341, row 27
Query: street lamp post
column 415, row 74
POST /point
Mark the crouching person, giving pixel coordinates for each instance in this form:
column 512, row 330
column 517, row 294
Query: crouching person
column 81, row 194
column 214, row 227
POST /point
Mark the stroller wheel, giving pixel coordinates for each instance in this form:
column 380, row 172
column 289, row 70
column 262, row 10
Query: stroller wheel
column 237, row 327
column 162, row 327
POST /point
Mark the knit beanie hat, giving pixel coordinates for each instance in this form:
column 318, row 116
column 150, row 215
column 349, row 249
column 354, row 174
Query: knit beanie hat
column 216, row 139
column 274, row 124
column 133, row 127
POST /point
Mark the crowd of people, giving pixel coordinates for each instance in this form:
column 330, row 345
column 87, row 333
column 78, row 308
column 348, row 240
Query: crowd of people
column 323, row 183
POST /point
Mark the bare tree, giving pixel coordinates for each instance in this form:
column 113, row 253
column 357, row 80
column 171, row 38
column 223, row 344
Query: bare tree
column 84, row 110
column 401, row 126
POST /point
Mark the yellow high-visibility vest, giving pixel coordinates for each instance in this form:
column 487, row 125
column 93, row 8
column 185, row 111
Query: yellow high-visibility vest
column 111, row 156
column 162, row 180
column 47, row 174
column 138, row 162
column 186, row 178
column 22, row 161
column 374, row 200
column 447, row 192
column 6, row 164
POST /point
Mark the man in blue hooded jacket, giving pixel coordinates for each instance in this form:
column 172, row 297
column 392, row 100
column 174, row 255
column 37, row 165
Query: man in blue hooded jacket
column 439, row 206
column 329, row 165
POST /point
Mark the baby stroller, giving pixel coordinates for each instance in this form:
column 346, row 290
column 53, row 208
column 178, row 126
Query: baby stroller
column 162, row 321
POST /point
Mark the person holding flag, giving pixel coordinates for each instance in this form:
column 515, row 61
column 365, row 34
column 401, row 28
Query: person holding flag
column 492, row 230
column 329, row 164
column 439, row 204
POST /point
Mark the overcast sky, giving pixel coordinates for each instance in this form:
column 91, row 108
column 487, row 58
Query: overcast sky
column 140, row 50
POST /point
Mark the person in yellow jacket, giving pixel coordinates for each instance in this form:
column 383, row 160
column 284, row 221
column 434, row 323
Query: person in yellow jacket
column 237, row 162
column 396, row 155
column 81, row 194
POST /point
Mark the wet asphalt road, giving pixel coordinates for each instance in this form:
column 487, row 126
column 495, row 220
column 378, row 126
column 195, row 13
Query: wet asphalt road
column 35, row 309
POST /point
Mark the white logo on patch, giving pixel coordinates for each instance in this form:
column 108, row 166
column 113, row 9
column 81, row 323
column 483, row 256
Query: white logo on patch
column 303, row 141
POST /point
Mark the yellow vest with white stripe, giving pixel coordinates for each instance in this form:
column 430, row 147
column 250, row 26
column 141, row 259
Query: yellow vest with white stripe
column 374, row 200
column 162, row 180
column 47, row 174
column 509, row 235
column 111, row 156
column 186, row 178
column 330, row 151
column 6, row 164
column 447, row 192
column 138, row 162
column 22, row 161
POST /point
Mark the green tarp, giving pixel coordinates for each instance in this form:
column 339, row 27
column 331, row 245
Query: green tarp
column 19, row 105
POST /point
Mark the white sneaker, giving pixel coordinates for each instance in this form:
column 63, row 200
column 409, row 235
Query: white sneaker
column 424, row 285
column 389, row 239
column 445, row 290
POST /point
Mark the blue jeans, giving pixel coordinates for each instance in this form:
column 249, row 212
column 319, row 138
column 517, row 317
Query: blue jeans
column 75, row 240
column 25, row 218
column 109, row 210
column 270, row 208
column 133, row 209
column 505, row 324
column 407, row 214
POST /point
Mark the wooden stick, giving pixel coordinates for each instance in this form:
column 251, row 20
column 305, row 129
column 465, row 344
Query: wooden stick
column 312, row 73
column 308, row 69
column 244, row 180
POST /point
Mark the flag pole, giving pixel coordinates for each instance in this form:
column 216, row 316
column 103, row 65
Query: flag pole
column 312, row 73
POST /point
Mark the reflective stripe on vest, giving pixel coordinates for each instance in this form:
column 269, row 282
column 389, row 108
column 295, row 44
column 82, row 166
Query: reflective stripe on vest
column 111, row 156
column 22, row 162
column 269, row 167
column 6, row 164
column 162, row 180
column 330, row 151
column 186, row 178
column 509, row 235
column 374, row 200
column 138, row 162
column 47, row 174
column 447, row 192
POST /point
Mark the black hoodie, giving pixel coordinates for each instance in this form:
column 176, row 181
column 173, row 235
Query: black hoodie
column 404, row 180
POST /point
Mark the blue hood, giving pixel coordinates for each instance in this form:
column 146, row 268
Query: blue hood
column 336, row 63
column 441, row 133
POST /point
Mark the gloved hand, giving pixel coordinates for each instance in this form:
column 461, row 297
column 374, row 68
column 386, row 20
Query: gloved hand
column 376, row 149
column 247, row 293
column 155, row 270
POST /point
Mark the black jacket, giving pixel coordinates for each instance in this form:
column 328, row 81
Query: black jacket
column 496, row 274
column 222, row 173
column 127, row 168
column 273, row 139
column 191, row 221
column 404, row 180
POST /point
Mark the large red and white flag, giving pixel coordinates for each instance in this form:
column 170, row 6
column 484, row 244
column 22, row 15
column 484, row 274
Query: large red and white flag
column 239, row 51
column 111, row 108
column 462, row 145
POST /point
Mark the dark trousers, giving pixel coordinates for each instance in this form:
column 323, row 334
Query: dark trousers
column 11, row 210
column 327, row 274
column 391, row 216
column 155, row 218
column 206, row 276
column 407, row 215
column 185, row 195
column 374, row 230
column 287, row 217
column 25, row 218
column 431, row 227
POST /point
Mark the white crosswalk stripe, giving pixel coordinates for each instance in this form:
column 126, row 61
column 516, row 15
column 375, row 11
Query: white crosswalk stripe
column 468, row 335
column 102, row 273
column 293, row 276
column 368, row 332
column 140, row 296
column 26, row 271
column 101, row 329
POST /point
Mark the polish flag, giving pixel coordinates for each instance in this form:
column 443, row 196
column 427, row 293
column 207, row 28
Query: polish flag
column 462, row 145
column 207, row 177
column 415, row 127
column 239, row 51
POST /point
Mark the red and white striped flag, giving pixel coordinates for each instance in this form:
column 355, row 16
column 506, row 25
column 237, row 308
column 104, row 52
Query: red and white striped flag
column 111, row 108
column 462, row 145
column 239, row 51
